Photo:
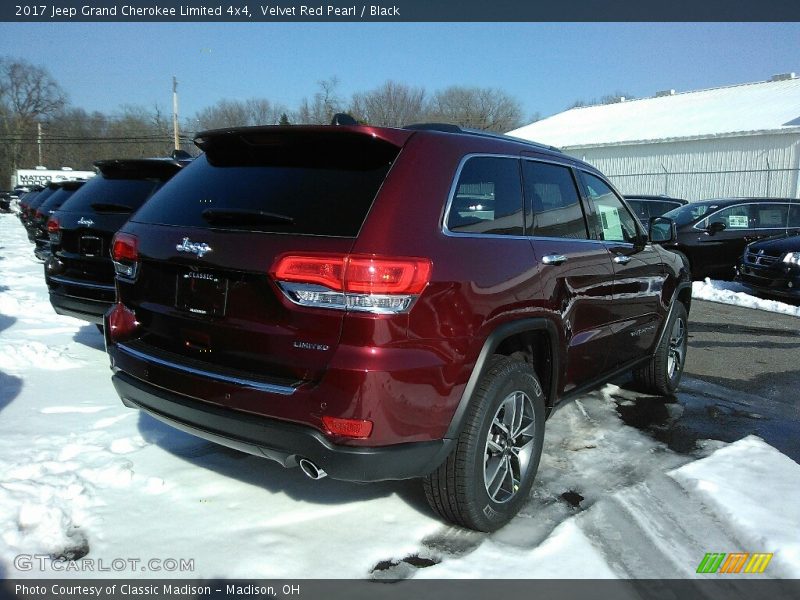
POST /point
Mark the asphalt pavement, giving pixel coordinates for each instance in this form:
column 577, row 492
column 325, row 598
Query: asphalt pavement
column 742, row 376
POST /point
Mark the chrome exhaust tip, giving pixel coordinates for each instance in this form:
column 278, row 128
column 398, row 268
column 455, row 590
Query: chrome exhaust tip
column 311, row 470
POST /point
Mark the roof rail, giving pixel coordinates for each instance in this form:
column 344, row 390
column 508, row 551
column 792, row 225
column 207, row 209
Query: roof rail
column 450, row 128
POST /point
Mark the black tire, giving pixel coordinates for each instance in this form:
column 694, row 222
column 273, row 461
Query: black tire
column 457, row 490
column 662, row 374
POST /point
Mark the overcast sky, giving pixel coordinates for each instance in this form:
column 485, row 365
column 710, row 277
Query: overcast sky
column 547, row 66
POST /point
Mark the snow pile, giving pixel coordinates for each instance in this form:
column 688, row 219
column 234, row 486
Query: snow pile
column 742, row 498
column 728, row 292
column 755, row 489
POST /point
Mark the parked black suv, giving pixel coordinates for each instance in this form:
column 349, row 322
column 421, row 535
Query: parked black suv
column 712, row 234
column 772, row 266
column 32, row 202
column 645, row 206
column 5, row 201
column 41, row 237
column 375, row 303
column 80, row 274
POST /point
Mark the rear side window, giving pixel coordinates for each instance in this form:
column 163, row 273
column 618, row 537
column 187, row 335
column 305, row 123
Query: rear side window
column 320, row 187
column 488, row 198
column 769, row 216
column 105, row 194
column 794, row 215
column 556, row 206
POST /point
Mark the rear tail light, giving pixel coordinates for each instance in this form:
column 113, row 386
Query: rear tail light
column 125, row 254
column 375, row 284
column 54, row 230
column 122, row 323
column 352, row 428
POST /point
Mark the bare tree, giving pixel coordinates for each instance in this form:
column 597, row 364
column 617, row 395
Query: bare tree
column 325, row 104
column 476, row 108
column 237, row 113
column 263, row 112
column 225, row 113
column 390, row 105
column 28, row 95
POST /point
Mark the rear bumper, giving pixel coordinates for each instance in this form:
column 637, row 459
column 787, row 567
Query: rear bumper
column 83, row 300
column 80, row 308
column 281, row 441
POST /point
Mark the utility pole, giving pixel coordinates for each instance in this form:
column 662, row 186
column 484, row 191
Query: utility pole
column 39, row 140
column 174, row 112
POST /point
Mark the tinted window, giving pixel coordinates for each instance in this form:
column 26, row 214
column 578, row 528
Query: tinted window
column 100, row 190
column 689, row 213
column 658, row 207
column 488, row 198
column 612, row 219
column 56, row 200
column 551, row 191
column 734, row 217
column 771, row 216
column 794, row 215
column 640, row 209
column 314, row 189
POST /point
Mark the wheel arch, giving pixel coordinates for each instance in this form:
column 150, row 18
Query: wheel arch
column 682, row 294
column 522, row 339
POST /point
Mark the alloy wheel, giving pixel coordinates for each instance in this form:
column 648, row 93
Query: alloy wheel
column 509, row 445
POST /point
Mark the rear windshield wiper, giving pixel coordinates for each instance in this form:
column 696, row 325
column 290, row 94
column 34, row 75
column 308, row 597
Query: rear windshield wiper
column 111, row 207
column 244, row 216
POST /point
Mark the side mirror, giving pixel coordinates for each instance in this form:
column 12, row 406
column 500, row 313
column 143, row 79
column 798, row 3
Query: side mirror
column 715, row 227
column 662, row 230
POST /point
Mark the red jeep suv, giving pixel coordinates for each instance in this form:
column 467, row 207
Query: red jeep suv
column 372, row 303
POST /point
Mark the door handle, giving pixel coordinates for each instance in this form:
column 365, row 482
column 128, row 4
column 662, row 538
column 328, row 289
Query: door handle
column 554, row 259
column 622, row 259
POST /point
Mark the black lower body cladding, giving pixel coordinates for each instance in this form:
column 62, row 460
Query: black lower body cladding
column 283, row 442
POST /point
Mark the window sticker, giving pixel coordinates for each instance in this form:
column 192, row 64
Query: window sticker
column 737, row 221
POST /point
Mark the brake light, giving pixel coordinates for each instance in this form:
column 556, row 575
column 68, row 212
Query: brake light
column 125, row 254
column 375, row 284
column 327, row 271
column 352, row 428
column 54, row 230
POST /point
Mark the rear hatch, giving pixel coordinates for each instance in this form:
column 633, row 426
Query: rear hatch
column 52, row 204
column 208, row 239
column 88, row 221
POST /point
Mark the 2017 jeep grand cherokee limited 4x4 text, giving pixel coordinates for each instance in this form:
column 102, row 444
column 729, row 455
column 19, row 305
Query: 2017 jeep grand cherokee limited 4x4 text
column 377, row 303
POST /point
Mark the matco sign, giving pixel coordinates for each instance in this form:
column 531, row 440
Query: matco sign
column 29, row 177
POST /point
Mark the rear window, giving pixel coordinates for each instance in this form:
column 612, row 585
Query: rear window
column 57, row 199
column 324, row 186
column 100, row 191
column 659, row 208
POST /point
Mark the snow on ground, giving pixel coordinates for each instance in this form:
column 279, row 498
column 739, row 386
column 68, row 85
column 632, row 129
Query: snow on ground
column 730, row 292
column 83, row 478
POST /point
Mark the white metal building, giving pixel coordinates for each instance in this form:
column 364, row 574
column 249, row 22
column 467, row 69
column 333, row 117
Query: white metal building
column 740, row 140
